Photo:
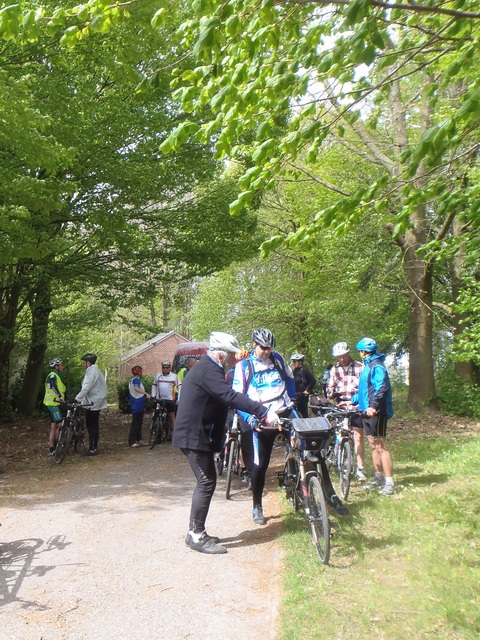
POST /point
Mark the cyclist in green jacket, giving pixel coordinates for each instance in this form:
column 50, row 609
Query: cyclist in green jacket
column 54, row 394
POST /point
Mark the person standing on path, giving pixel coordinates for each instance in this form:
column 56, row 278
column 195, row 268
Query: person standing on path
column 200, row 429
column 138, row 398
column 166, row 387
column 305, row 382
column 54, row 394
column 94, row 394
column 265, row 376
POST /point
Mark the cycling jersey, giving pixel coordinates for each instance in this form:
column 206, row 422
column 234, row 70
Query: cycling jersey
column 268, row 381
column 165, row 387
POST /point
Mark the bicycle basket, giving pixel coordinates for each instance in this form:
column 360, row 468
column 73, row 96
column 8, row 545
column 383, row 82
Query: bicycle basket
column 311, row 433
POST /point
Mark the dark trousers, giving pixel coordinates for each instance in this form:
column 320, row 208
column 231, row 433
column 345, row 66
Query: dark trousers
column 262, row 448
column 135, row 434
column 203, row 467
column 91, row 420
column 302, row 405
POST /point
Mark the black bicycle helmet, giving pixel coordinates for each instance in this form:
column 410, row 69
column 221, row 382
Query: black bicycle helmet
column 90, row 357
column 263, row 337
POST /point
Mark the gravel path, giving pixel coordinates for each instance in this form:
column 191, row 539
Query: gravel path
column 97, row 552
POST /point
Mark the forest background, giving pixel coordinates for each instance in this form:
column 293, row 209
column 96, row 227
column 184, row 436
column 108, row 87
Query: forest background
column 149, row 149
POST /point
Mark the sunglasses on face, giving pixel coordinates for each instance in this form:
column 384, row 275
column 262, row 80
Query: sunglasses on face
column 263, row 348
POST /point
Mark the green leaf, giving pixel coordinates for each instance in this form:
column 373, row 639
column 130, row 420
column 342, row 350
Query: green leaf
column 159, row 19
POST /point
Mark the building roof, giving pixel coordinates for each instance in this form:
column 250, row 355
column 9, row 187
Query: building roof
column 160, row 337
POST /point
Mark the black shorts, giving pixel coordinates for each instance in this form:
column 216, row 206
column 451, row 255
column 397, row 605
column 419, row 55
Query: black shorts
column 376, row 426
column 170, row 405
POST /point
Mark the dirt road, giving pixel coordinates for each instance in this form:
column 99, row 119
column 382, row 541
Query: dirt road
column 97, row 551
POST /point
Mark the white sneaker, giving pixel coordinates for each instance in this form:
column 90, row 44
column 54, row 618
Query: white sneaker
column 135, row 444
column 376, row 484
column 387, row 490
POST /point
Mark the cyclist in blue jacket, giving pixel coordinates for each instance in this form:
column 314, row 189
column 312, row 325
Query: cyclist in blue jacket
column 375, row 398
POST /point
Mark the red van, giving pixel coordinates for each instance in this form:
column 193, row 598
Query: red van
column 186, row 350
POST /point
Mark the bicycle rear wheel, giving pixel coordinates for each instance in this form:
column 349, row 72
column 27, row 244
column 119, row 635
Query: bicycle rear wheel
column 64, row 441
column 154, row 432
column 345, row 468
column 232, row 454
column 318, row 519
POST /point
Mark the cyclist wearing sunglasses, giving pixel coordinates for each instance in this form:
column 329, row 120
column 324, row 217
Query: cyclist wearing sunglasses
column 263, row 376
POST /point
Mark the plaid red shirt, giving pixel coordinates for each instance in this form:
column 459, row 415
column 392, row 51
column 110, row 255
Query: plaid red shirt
column 344, row 380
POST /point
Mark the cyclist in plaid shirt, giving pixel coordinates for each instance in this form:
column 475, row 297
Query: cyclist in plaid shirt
column 342, row 385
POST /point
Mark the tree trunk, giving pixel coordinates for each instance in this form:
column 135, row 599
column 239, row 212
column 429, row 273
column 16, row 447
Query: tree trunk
column 421, row 390
column 41, row 308
column 9, row 300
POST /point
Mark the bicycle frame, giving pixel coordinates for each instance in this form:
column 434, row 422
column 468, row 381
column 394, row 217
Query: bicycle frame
column 71, row 430
column 159, row 429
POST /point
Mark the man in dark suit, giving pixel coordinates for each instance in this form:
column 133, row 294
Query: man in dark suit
column 200, row 428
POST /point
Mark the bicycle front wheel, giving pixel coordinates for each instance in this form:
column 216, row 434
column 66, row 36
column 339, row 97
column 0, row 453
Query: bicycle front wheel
column 64, row 442
column 232, row 461
column 154, row 431
column 345, row 468
column 318, row 519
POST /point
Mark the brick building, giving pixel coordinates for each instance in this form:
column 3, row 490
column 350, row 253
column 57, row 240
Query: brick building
column 150, row 354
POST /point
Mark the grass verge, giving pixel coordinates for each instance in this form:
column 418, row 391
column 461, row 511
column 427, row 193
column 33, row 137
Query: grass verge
column 406, row 566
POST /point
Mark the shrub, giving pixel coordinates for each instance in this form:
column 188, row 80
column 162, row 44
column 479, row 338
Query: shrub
column 457, row 397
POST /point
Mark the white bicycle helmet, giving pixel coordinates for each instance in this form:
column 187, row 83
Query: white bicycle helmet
column 54, row 362
column 297, row 356
column 340, row 349
column 220, row 341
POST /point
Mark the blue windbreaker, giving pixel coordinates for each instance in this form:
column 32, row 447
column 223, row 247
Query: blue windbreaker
column 374, row 388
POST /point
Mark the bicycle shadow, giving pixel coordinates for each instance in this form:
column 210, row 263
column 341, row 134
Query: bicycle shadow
column 252, row 537
column 17, row 563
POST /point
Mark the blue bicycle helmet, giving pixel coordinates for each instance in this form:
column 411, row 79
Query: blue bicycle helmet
column 367, row 344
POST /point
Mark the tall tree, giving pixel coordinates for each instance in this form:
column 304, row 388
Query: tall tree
column 378, row 77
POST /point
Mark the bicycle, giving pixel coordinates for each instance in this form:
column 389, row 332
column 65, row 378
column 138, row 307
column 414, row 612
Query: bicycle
column 301, row 477
column 159, row 428
column 71, row 430
column 339, row 451
column 230, row 458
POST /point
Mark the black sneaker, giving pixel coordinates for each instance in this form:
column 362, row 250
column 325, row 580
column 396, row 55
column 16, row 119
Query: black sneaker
column 207, row 545
column 337, row 504
column 89, row 454
column 188, row 538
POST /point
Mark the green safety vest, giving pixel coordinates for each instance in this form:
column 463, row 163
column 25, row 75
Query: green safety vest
column 50, row 394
